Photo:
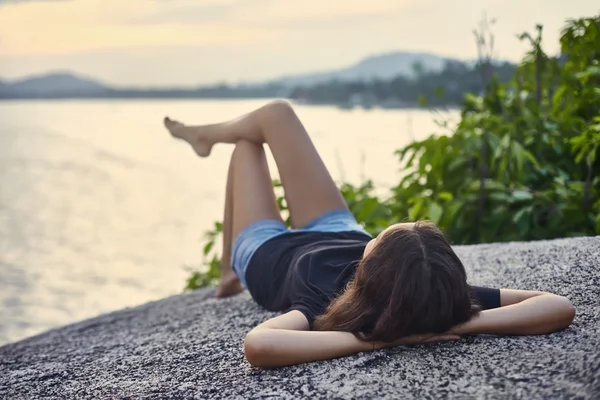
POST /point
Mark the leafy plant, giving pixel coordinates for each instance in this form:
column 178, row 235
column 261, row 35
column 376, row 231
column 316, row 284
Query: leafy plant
column 210, row 270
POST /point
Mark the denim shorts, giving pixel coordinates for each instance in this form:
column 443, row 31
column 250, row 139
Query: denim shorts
column 254, row 235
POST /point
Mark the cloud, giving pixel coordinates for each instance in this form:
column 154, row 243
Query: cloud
column 46, row 27
column 3, row 2
column 42, row 28
column 178, row 41
column 271, row 13
column 186, row 12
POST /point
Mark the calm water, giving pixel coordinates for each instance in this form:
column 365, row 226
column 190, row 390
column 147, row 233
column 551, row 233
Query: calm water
column 100, row 209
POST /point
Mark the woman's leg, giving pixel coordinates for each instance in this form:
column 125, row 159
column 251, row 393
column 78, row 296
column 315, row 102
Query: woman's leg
column 309, row 189
column 249, row 183
column 230, row 284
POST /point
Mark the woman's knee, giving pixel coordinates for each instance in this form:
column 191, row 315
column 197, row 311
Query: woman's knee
column 281, row 107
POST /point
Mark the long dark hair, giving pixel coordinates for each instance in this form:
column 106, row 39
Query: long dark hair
column 412, row 282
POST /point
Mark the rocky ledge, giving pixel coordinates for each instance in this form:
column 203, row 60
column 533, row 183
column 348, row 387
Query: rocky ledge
column 190, row 346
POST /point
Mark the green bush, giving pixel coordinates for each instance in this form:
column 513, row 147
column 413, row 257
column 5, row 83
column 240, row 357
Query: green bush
column 521, row 164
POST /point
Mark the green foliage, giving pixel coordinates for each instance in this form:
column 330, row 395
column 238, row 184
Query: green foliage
column 522, row 164
column 370, row 211
column 210, row 270
column 434, row 88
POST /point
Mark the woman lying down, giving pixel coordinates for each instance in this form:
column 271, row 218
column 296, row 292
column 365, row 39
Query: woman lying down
column 341, row 290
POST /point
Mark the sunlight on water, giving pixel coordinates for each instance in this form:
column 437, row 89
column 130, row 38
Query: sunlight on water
column 101, row 209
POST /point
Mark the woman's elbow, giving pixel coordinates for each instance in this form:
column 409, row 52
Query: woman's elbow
column 562, row 312
column 566, row 311
column 256, row 349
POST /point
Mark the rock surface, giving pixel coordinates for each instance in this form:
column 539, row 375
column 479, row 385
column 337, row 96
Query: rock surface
column 190, row 346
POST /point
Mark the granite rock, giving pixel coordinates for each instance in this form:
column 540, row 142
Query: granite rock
column 190, row 346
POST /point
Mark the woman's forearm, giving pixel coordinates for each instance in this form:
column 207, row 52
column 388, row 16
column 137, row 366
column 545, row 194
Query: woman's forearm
column 537, row 315
column 270, row 348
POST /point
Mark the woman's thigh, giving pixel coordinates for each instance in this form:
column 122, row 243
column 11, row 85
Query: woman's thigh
column 310, row 191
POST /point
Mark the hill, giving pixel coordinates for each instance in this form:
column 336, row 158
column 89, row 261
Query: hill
column 383, row 66
column 55, row 83
column 190, row 346
column 65, row 84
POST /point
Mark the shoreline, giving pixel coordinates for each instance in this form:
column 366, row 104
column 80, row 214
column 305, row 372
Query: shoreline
column 343, row 106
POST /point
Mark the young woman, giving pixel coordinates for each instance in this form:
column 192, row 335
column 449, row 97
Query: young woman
column 342, row 291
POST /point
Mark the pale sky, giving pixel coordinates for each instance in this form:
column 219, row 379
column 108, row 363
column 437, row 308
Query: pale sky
column 187, row 42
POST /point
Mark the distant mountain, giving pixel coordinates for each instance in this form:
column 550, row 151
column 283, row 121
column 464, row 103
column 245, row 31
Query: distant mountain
column 68, row 85
column 58, row 83
column 384, row 66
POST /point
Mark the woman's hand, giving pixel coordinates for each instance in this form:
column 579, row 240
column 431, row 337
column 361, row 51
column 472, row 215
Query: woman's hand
column 522, row 313
column 418, row 339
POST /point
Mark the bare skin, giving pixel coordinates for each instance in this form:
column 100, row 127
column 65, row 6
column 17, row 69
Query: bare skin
column 309, row 189
column 229, row 284
column 190, row 134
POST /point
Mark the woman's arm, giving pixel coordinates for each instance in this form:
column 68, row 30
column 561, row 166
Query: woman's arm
column 272, row 348
column 285, row 340
column 522, row 312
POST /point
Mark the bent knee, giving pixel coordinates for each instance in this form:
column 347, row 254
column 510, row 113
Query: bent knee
column 280, row 106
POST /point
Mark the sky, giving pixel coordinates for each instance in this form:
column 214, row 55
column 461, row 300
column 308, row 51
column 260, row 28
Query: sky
column 193, row 42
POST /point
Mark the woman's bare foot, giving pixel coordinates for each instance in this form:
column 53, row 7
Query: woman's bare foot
column 194, row 135
column 229, row 286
